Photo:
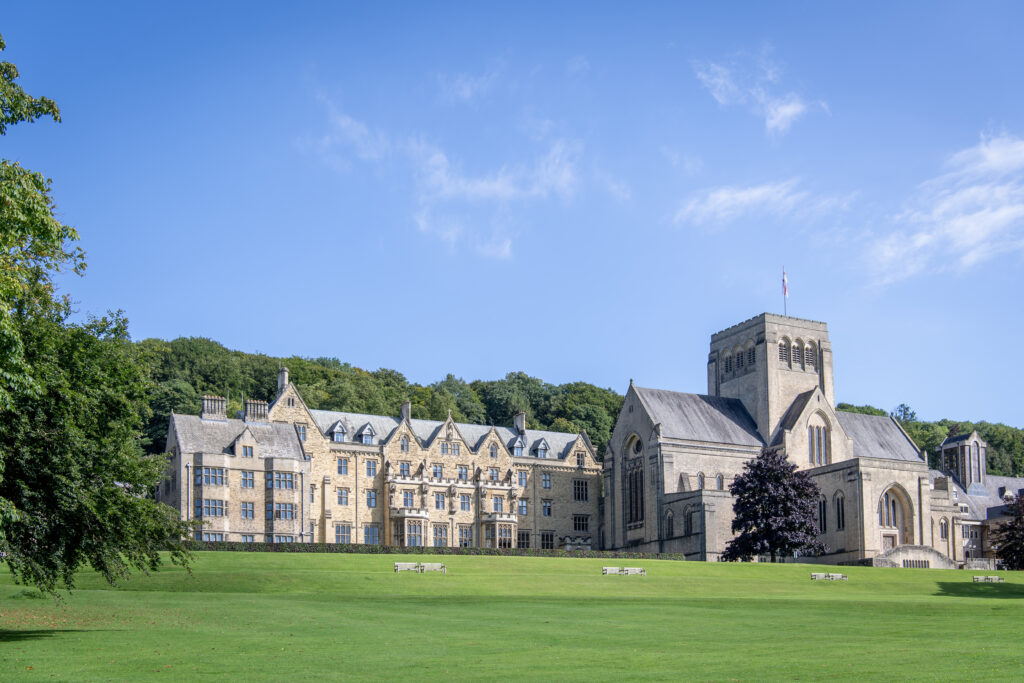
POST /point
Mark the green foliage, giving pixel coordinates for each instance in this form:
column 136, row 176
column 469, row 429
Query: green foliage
column 863, row 410
column 1009, row 536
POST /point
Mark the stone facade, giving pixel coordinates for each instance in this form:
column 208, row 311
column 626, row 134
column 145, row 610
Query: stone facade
column 284, row 472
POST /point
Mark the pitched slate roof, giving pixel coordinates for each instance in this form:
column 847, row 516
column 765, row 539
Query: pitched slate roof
column 983, row 500
column 958, row 438
column 426, row 431
column 696, row 417
column 196, row 435
column 877, row 436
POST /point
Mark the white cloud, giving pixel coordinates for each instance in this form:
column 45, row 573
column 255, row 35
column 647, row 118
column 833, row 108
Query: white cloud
column 778, row 199
column 465, row 87
column 369, row 145
column 961, row 218
column 755, row 88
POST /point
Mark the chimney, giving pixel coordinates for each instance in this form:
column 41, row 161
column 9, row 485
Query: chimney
column 255, row 411
column 214, row 408
column 520, row 422
column 282, row 379
column 405, row 413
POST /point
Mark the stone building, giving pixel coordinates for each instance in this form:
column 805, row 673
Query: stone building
column 672, row 457
column 285, row 473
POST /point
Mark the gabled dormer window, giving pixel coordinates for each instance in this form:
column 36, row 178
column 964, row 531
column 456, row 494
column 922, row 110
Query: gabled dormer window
column 366, row 435
column 367, row 439
column 542, row 452
column 338, row 436
column 518, row 448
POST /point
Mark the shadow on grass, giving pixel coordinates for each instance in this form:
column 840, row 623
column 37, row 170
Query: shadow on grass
column 969, row 589
column 15, row 635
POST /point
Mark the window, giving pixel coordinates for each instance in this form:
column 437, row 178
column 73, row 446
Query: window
column 342, row 533
column 248, row 480
column 546, row 508
column 523, row 539
column 338, row 436
column 438, row 471
column 414, row 534
column 371, row 500
column 798, row 355
column 455, row 449
column 720, row 483
column 810, row 443
column 212, row 537
column 635, row 491
column 545, row 480
column 542, row 452
column 371, row 534
column 301, row 431
column 688, row 521
column 700, row 480
column 670, row 530
column 887, row 509
column 523, row 508
column 493, row 473
column 248, row 510
column 444, row 448
column 465, row 536
column 580, row 490
column 811, row 356
column 739, row 361
column 966, row 534
column 342, row 496
column 822, row 509
column 489, row 536
column 504, row 535
column 291, row 402
column 519, row 450
column 840, row 512
column 494, row 450
column 580, row 460
column 580, row 523
column 407, row 499
column 522, row 478
column 284, row 510
column 246, row 451
column 312, row 494
column 367, row 438
column 403, row 469
column 727, row 366
column 248, row 538
column 213, row 508
column 342, row 465
column 210, row 476
column 547, row 540
column 284, row 539
column 463, row 473
column 750, row 358
column 199, row 507
column 944, row 530
column 371, row 468
column 404, row 443
column 784, row 351
column 440, row 536
column 270, row 510
column 284, row 480
column 499, row 504
column 439, row 501
column 464, row 502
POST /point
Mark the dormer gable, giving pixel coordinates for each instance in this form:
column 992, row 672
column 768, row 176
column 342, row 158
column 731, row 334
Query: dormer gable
column 245, row 440
column 337, row 432
column 541, row 448
column 365, row 434
column 518, row 446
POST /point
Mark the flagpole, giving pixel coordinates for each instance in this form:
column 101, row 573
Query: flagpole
column 785, row 293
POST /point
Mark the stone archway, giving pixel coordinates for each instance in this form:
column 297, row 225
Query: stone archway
column 895, row 516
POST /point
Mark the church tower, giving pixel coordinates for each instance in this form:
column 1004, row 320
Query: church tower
column 766, row 362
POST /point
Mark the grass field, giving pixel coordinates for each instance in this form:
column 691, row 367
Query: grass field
column 278, row 616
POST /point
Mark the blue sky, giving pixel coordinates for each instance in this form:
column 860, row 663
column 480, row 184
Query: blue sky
column 584, row 192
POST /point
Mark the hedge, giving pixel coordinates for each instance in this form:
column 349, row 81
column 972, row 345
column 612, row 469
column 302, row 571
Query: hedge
column 362, row 549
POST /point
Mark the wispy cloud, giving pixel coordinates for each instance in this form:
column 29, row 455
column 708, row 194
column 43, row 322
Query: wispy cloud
column 347, row 132
column 971, row 212
column 776, row 199
column 466, row 87
column 577, row 66
column 738, row 83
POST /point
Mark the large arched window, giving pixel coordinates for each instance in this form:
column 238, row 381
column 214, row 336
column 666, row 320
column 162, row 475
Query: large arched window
column 738, row 354
column 720, row 482
column 840, row 505
column 819, row 437
column 688, row 521
column 750, row 356
column 798, row 354
column 670, row 530
column 811, row 356
column 727, row 364
column 944, row 529
column 822, row 511
column 784, row 351
column 976, row 455
column 700, row 481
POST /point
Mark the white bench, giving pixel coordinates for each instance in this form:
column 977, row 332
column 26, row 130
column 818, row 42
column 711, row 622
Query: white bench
column 630, row 571
column 433, row 567
column 988, row 579
column 837, row 577
column 818, row 577
column 407, row 567
column 611, row 570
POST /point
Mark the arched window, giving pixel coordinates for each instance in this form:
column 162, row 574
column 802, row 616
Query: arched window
column 750, row 357
column 784, row 351
column 840, row 511
column 943, row 529
column 818, row 438
column 811, row 356
column 822, row 509
column 739, row 361
column 888, row 511
column 687, row 521
column 669, row 526
column 727, row 364
column 798, row 354
column 700, row 481
column 494, row 450
column 404, row 444
column 720, row 482
column 977, row 461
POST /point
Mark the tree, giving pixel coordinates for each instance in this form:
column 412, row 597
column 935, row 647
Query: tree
column 775, row 510
column 75, row 486
column 904, row 413
column 1009, row 536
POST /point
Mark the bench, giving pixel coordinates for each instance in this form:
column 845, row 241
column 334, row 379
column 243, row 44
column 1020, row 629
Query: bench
column 838, row 577
column 818, row 577
column 433, row 567
column 630, row 571
column 988, row 579
column 611, row 570
column 407, row 567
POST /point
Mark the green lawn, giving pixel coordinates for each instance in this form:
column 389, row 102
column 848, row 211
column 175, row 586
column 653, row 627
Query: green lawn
column 277, row 616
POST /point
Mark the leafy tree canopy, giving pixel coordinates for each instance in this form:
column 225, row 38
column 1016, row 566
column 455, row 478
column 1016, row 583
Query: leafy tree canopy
column 1009, row 536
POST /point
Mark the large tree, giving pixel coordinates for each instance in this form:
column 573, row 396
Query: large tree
column 1009, row 536
column 74, row 482
column 775, row 510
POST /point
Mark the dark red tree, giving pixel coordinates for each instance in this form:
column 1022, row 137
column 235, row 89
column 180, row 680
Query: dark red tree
column 776, row 508
column 1009, row 536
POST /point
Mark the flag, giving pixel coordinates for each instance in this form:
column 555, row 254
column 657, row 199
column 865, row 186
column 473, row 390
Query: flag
column 785, row 284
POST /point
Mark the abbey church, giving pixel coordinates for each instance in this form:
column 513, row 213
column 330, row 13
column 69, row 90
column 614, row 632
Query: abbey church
column 673, row 455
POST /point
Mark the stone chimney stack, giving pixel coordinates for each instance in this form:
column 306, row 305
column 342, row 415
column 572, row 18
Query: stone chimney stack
column 256, row 411
column 214, row 408
column 519, row 421
column 405, row 412
column 282, row 380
